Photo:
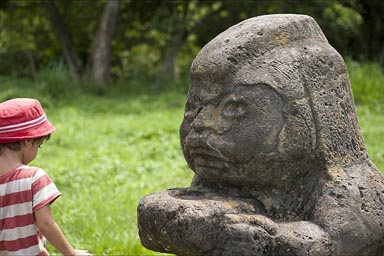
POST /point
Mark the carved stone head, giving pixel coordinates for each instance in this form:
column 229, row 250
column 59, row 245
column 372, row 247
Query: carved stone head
column 271, row 133
column 265, row 108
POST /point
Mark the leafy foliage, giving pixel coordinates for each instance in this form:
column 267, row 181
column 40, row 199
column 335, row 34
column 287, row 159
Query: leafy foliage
column 154, row 34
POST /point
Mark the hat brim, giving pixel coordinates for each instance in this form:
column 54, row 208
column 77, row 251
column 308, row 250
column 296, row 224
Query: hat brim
column 41, row 130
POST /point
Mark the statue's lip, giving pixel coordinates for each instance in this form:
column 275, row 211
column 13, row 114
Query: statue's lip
column 207, row 158
column 205, row 152
column 206, row 162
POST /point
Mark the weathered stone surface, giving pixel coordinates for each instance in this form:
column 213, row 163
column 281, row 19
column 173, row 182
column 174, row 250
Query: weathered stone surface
column 280, row 164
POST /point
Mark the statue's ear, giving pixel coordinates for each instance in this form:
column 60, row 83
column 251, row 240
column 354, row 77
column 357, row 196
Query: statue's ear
column 299, row 133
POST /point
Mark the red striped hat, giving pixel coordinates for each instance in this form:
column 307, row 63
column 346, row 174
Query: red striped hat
column 21, row 119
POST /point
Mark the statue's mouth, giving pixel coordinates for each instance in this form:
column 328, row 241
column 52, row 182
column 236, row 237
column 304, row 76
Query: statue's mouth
column 204, row 159
column 207, row 162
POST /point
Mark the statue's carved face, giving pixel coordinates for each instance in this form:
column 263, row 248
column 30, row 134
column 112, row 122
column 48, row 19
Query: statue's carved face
column 225, row 127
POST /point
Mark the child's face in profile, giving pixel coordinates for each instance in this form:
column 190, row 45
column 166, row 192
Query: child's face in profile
column 30, row 148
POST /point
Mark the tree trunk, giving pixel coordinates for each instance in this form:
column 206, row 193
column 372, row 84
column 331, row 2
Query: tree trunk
column 70, row 55
column 169, row 66
column 381, row 58
column 31, row 58
column 32, row 63
column 101, row 46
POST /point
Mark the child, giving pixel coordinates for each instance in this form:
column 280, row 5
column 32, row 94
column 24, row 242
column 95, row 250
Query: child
column 26, row 192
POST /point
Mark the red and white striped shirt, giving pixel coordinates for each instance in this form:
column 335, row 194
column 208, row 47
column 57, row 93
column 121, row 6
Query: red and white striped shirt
column 23, row 191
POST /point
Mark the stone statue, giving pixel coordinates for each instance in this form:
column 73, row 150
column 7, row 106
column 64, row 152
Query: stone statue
column 281, row 168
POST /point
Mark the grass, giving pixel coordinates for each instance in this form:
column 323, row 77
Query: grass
column 371, row 120
column 107, row 153
column 367, row 81
column 111, row 150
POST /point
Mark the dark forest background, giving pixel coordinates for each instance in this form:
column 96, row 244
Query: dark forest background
column 119, row 40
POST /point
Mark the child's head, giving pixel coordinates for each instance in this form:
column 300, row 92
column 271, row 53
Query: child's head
column 23, row 119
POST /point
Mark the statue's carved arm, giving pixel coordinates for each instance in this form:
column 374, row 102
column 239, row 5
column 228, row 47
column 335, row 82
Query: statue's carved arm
column 220, row 227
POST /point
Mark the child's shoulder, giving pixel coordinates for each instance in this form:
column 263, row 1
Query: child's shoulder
column 19, row 173
column 27, row 171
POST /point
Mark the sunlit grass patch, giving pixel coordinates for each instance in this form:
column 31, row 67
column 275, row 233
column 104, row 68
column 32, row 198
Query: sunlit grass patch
column 371, row 120
column 105, row 156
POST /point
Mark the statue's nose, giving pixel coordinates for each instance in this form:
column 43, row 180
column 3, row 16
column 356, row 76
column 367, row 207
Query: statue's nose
column 201, row 127
column 205, row 120
column 209, row 121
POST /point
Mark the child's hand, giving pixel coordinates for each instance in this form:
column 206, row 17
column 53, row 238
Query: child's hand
column 82, row 252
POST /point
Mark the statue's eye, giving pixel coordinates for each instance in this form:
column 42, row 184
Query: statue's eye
column 234, row 108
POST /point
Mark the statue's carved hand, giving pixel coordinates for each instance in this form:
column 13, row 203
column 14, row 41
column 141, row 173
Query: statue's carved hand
column 260, row 221
column 303, row 238
column 259, row 234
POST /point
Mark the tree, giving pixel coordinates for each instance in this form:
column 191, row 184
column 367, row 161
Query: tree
column 101, row 46
column 175, row 21
column 373, row 29
column 23, row 39
column 176, row 41
column 71, row 57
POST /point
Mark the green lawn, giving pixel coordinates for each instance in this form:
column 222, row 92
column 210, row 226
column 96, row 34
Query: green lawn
column 371, row 120
column 110, row 151
column 106, row 154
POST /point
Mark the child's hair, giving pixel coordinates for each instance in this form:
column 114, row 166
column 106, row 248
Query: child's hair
column 16, row 146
